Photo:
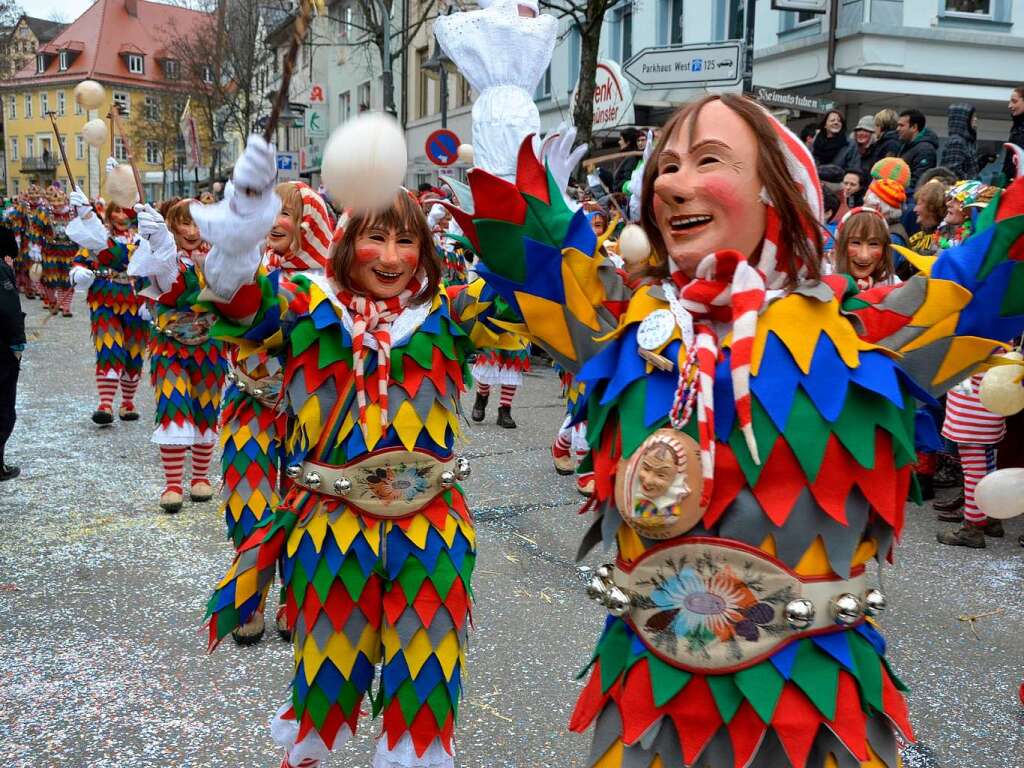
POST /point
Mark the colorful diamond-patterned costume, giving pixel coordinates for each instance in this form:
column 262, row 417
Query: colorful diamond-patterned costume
column 16, row 217
column 361, row 590
column 834, row 377
column 58, row 251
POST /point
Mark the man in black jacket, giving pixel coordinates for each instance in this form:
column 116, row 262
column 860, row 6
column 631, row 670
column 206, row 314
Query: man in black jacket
column 920, row 148
column 12, row 342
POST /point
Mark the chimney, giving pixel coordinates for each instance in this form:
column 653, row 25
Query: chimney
column 132, row 7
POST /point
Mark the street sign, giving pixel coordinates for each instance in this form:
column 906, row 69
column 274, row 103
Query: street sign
column 773, row 97
column 288, row 166
column 442, row 147
column 613, row 100
column 687, row 66
column 316, row 122
column 310, row 157
column 317, row 94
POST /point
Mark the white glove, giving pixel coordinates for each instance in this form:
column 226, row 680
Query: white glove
column 80, row 202
column 111, row 164
column 35, row 252
column 144, row 313
column 81, row 277
column 153, row 228
column 557, row 152
column 255, row 177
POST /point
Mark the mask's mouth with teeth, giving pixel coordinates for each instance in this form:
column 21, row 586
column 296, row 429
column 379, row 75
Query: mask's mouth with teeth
column 689, row 223
column 385, row 276
column 277, row 234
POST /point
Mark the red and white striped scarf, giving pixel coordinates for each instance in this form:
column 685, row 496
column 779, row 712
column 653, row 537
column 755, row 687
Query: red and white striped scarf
column 726, row 291
column 374, row 317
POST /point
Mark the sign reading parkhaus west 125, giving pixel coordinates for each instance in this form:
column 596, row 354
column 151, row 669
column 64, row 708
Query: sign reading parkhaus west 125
column 687, row 66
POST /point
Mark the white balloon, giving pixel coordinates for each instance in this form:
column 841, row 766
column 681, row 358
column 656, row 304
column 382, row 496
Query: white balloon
column 634, row 247
column 1000, row 391
column 90, row 94
column 465, row 153
column 1000, row 494
column 121, row 189
column 364, row 163
column 95, row 132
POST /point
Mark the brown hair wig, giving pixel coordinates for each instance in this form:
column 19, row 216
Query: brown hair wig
column 178, row 213
column 886, row 119
column 166, row 205
column 291, row 205
column 797, row 221
column 933, row 196
column 864, row 225
column 404, row 216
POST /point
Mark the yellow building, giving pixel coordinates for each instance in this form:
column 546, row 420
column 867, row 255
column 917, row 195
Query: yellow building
column 128, row 46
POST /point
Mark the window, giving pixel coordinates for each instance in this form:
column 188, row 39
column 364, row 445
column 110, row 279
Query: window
column 363, row 96
column 152, row 153
column 207, row 74
column 28, row 105
column 44, row 103
column 14, row 147
column 544, row 86
column 574, row 56
column 40, row 63
column 973, row 7
column 30, row 146
column 61, row 103
column 422, row 82
column 120, row 153
column 735, row 26
column 673, row 34
column 345, row 105
column 463, row 92
column 152, row 109
column 345, row 26
column 627, row 33
column 172, row 69
column 135, row 64
column 79, row 147
column 12, row 108
column 63, row 60
column 124, row 102
column 78, row 108
column 17, row 186
column 80, row 182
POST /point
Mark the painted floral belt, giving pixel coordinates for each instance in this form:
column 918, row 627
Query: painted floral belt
column 114, row 276
column 390, row 484
column 189, row 328
column 266, row 389
column 716, row 605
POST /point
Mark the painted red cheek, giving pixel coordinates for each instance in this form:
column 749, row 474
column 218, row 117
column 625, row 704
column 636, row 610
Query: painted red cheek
column 726, row 192
column 409, row 258
column 367, row 254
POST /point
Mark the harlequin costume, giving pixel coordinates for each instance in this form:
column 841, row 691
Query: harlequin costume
column 20, row 218
column 58, row 251
column 119, row 334
column 737, row 633
column 375, row 543
column 254, row 420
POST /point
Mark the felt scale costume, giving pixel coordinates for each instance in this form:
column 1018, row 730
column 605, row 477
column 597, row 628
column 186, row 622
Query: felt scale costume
column 58, row 253
column 739, row 629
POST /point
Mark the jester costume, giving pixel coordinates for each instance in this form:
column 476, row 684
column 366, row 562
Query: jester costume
column 737, row 632
column 119, row 333
column 58, row 253
column 375, row 543
column 18, row 218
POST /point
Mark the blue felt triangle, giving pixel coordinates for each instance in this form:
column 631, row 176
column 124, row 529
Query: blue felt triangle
column 836, row 645
column 828, row 379
column 878, row 373
column 630, row 367
column 776, row 389
column 783, row 660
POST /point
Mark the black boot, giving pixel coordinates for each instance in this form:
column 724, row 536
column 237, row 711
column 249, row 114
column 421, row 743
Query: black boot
column 479, row 407
column 926, row 486
column 505, row 417
column 8, row 471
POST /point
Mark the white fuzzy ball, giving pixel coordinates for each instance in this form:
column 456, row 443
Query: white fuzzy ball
column 465, row 153
column 90, row 94
column 634, row 247
column 121, row 189
column 95, row 133
column 1000, row 494
column 1001, row 392
column 364, row 163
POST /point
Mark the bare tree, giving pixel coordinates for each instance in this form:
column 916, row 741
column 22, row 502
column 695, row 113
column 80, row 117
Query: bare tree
column 11, row 57
column 153, row 130
column 587, row 17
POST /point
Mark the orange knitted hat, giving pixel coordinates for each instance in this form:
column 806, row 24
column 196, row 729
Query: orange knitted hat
column 889, row 192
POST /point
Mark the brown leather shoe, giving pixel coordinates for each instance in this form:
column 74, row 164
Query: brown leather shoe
column 965, row 536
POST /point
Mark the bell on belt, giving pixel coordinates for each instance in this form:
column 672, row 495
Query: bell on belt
column 293, row 471
column 447, row 479
column 846, row 608
column 874, row 602
column 800, row 613
column 342, row 486
column 617, row 601
column 597, row 589
column 312, row 480
column 462, row 468
column 232, row 377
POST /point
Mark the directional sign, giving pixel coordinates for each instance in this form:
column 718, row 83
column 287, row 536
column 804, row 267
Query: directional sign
column 316, row 122
column 687, row 66
column 287, row 166
column 442, row 147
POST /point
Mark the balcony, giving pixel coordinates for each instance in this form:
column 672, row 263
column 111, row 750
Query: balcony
column 39, row 164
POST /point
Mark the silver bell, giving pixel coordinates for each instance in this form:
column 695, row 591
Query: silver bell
column 232, row 377
column 604, row 571
column 311, row 480
column 617, row 601
column 462, row 468
column 293, row 471
column 846, row 608
column 447, row 479
column 800, row 613
column 241, row 386
column 342, row 485
column 597, row 589
column 874, row 602
column 257, row 392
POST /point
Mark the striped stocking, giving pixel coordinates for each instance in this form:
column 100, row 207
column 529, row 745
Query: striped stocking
column 129, row 384
column 977, row 461
column 484, row 389
column 107, row 389
column 563, row 443
column 508, row 391
column 202, row 455
column 172, row 457
column 66, row 295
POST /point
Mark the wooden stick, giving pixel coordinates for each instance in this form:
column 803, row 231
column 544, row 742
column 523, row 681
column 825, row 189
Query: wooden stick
column 60, row 146
column 298, row 36
column 115, row 118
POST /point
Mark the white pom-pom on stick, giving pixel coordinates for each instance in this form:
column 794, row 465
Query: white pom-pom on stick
column 95, row 133
column 121, row 189
column 1000, row 494
column 634, row 247
column 465, row 153
column 364, row 162
column 1001, row 390
column 90, row 94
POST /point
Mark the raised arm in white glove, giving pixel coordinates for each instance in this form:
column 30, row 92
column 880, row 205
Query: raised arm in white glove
column 157, row 256
column 557, row 152
column 35, row 252
column 237, row 225
column 81, row 277
column 111, row 164
column 80, row 202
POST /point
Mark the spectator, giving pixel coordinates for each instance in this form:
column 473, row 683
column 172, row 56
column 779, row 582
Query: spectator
column 628, row 142
column 12, row 342
column 831, row 140
column 1016, row 106
column 930, row 209
column 960, row 154
column 887, row 196
column 887, row 138
column 920, row 145
column 830, row 206
column 939, row 173
column 859, row 154
column 807, row 134
column 853, row 188
column 864, row 250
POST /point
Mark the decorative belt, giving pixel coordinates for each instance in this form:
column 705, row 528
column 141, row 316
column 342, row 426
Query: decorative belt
column 189, row 328
column 114, row 276
column 716, row 605
column 267, row 389
column 390, row 484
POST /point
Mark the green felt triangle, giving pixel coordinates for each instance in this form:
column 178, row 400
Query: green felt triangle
column 727, row 695
column 227, row 620
column 302, row 336
column 299, row 583
column 330, row 350
column 323, row 578
column 817, row 674
column 351, row 575
column 348, row 697
column 444, row 575
column 666, row 680
column 765, row 434
column 762, row 685
column 807, row 434
column 1008, row 231
column 613, row 651
column 1013, row 298
column 869, row 670
column 631, row 416
column 411, row 578
column 398, row 365
column 408, row 701
column 439, row 704
column 421, row 349
column 317, row 705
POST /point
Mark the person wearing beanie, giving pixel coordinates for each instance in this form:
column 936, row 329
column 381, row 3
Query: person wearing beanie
column 859, row 154
column 892, row 168
column 887, row 196
column 960, row 154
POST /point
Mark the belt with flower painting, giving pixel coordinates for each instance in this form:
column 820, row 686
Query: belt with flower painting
column 391, row 484
column 266, row 389
column 715, row 605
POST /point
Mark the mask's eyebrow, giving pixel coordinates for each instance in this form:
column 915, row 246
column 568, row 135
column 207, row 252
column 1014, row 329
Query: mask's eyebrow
column 709, row 143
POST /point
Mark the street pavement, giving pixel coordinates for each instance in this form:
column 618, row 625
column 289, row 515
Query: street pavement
column 103, row 659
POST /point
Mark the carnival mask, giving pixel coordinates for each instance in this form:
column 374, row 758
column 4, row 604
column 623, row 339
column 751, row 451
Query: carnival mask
column 384, row 262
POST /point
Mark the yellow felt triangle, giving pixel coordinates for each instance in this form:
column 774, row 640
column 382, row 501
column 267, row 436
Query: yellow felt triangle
column 417, row 531
column 371, row 429
column 407, row 424
column 418, row 652
column 923, row 263
column 942, row 299
column 437, row 423
column 798, row 321
column 447, row 653
column 345, row 528
column 579, row 304
column 317, row 528
column 964, row 352
column 546, row 321
column 245, row 586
